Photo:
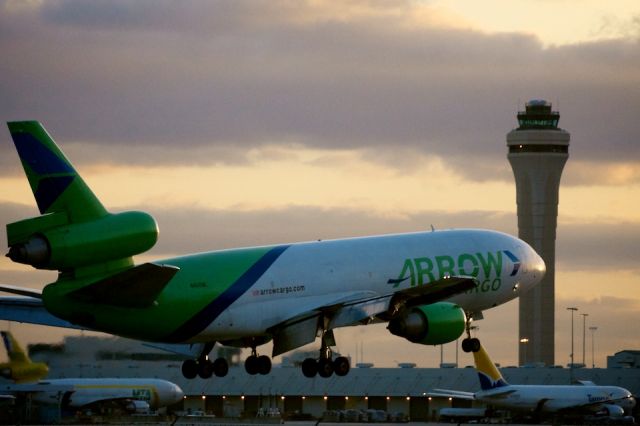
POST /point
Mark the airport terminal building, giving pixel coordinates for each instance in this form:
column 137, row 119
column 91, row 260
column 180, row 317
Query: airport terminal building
column 401, row 391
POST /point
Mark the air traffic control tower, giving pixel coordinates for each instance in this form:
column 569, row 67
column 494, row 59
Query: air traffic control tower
column 538, row 150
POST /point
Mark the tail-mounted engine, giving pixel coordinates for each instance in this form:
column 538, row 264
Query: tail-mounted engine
column 433, row 324
column 51, row 242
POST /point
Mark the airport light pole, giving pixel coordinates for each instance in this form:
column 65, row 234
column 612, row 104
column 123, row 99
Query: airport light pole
column 572, row 309
column 524, row 342
column 584, row 336
column 593, row 332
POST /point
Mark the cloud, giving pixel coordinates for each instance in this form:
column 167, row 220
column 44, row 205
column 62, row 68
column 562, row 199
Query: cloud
column 246, row 74
column 186, row 229
column 603, row 246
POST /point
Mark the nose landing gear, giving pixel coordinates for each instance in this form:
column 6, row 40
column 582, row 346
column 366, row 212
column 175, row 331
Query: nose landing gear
column 470, row 344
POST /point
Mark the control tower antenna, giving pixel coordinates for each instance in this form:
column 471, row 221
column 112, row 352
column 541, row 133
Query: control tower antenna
column 538, row 151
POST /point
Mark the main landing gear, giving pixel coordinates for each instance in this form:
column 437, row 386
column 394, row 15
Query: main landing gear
column 470, row 344
column 255, row 364
column 203, row 366
column 325, row 365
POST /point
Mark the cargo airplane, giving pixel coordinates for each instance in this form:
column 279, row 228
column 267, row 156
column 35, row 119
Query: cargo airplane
column 427, row 286
column 135, row 395
column 540, row 400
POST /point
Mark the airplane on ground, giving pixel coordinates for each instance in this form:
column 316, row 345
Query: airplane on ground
column 586, row 398
column 135, row 395
column 427, row 286
column 20, row 368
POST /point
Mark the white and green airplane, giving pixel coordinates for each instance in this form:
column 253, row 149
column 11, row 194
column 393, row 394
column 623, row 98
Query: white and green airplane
column 427, row 286
column 541, row 400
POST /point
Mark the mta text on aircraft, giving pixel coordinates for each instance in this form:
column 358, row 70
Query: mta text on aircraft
column 135, row 395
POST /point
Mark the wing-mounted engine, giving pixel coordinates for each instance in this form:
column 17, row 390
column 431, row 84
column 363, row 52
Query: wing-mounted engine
column 613, row 410
column 433, row 324
column 51, row 242
column 135, row 406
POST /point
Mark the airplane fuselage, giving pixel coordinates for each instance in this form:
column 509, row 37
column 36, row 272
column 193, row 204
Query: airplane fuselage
column 87, row 391
column 551, row 399
column 243, row 292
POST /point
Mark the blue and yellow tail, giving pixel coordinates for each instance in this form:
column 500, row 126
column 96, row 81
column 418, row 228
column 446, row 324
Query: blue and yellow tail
column 490, row 377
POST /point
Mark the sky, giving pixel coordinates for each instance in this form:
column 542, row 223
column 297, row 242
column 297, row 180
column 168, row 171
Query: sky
column 256, row 122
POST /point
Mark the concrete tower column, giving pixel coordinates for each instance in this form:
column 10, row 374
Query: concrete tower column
column 538, row 150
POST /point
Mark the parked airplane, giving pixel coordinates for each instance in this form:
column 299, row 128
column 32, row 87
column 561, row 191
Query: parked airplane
column 585, row 398
column 428, row 286
column 135, row 395
column 20, row 368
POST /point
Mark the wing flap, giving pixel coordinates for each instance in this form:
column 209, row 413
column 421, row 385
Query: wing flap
column 137, row 287
column 295, row 333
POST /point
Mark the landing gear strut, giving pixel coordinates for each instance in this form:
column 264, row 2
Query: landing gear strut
column 325, row 365
column 470, row 344
column 203, row 366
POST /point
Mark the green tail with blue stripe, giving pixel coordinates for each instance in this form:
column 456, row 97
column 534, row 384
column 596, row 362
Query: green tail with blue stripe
column 75, row 234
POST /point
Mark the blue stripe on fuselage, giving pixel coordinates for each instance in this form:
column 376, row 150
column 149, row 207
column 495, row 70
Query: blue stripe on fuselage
column 209, row 313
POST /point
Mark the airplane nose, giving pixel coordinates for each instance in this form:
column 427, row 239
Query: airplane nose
column 538, row 265
column 535, row 268
column 178, row 394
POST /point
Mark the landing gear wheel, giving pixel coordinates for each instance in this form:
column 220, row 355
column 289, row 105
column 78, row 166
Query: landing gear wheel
column 341, row 366
column 220, row 367
column 325, row 367
column 205, row 369
column 251, row 365
column 190, row 369
column 471, row 345
column 309, row 367
column 264, row 365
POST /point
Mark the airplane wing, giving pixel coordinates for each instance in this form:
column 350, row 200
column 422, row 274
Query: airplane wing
column 30, row 310
column 447, row 393
column 360, row 308
column 497, row 393
column 188, row 350
column 22, row 291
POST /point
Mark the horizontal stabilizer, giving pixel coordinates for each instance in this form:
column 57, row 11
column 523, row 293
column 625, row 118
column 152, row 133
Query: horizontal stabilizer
column 137, row 287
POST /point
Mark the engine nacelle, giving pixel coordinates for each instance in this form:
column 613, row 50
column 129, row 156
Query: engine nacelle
column 613, row 410
column 64, row 246
column 137, row 407
column 434, row 324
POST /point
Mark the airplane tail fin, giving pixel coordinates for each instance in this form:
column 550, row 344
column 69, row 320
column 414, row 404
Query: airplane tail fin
column 74, row 233
column 20, row 368
column 56, row 185
column 14, row 350
column 490, row 377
